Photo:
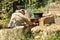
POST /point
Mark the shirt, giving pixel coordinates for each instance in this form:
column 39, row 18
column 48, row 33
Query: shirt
column 17, row 19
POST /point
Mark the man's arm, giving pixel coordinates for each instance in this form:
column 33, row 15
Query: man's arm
column 12, row 21
column 24, row 17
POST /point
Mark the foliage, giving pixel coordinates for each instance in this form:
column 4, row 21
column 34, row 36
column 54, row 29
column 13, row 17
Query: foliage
column 35, row 5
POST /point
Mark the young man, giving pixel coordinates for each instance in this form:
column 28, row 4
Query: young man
column 18, row 18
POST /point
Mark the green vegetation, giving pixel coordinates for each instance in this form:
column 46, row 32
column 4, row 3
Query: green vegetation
column 35, row 5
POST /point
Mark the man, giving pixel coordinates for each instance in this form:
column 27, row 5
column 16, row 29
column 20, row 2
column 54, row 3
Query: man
column 18, row 18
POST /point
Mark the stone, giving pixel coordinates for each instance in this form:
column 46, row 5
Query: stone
column 47, row 14
column 46, row 20
column 54, row 8
column 14, row 34
column 10, row 34
column 35, row 29
column 38, row 29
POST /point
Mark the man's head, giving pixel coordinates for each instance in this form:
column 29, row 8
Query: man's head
column 22, row 11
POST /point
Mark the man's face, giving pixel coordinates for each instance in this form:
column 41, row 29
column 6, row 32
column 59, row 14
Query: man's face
column 23, row 13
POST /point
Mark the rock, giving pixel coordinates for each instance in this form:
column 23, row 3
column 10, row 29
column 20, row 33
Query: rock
column 47, row 14
column 46, row 29
column 38, row 29
column 46, row 20
column 58, row 14
column 53, row 8
column 35, row 29
column 37, row 37
column 16, row 34
column 12, row 34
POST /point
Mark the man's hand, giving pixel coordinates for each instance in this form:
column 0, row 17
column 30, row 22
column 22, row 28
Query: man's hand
column 30, row 23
